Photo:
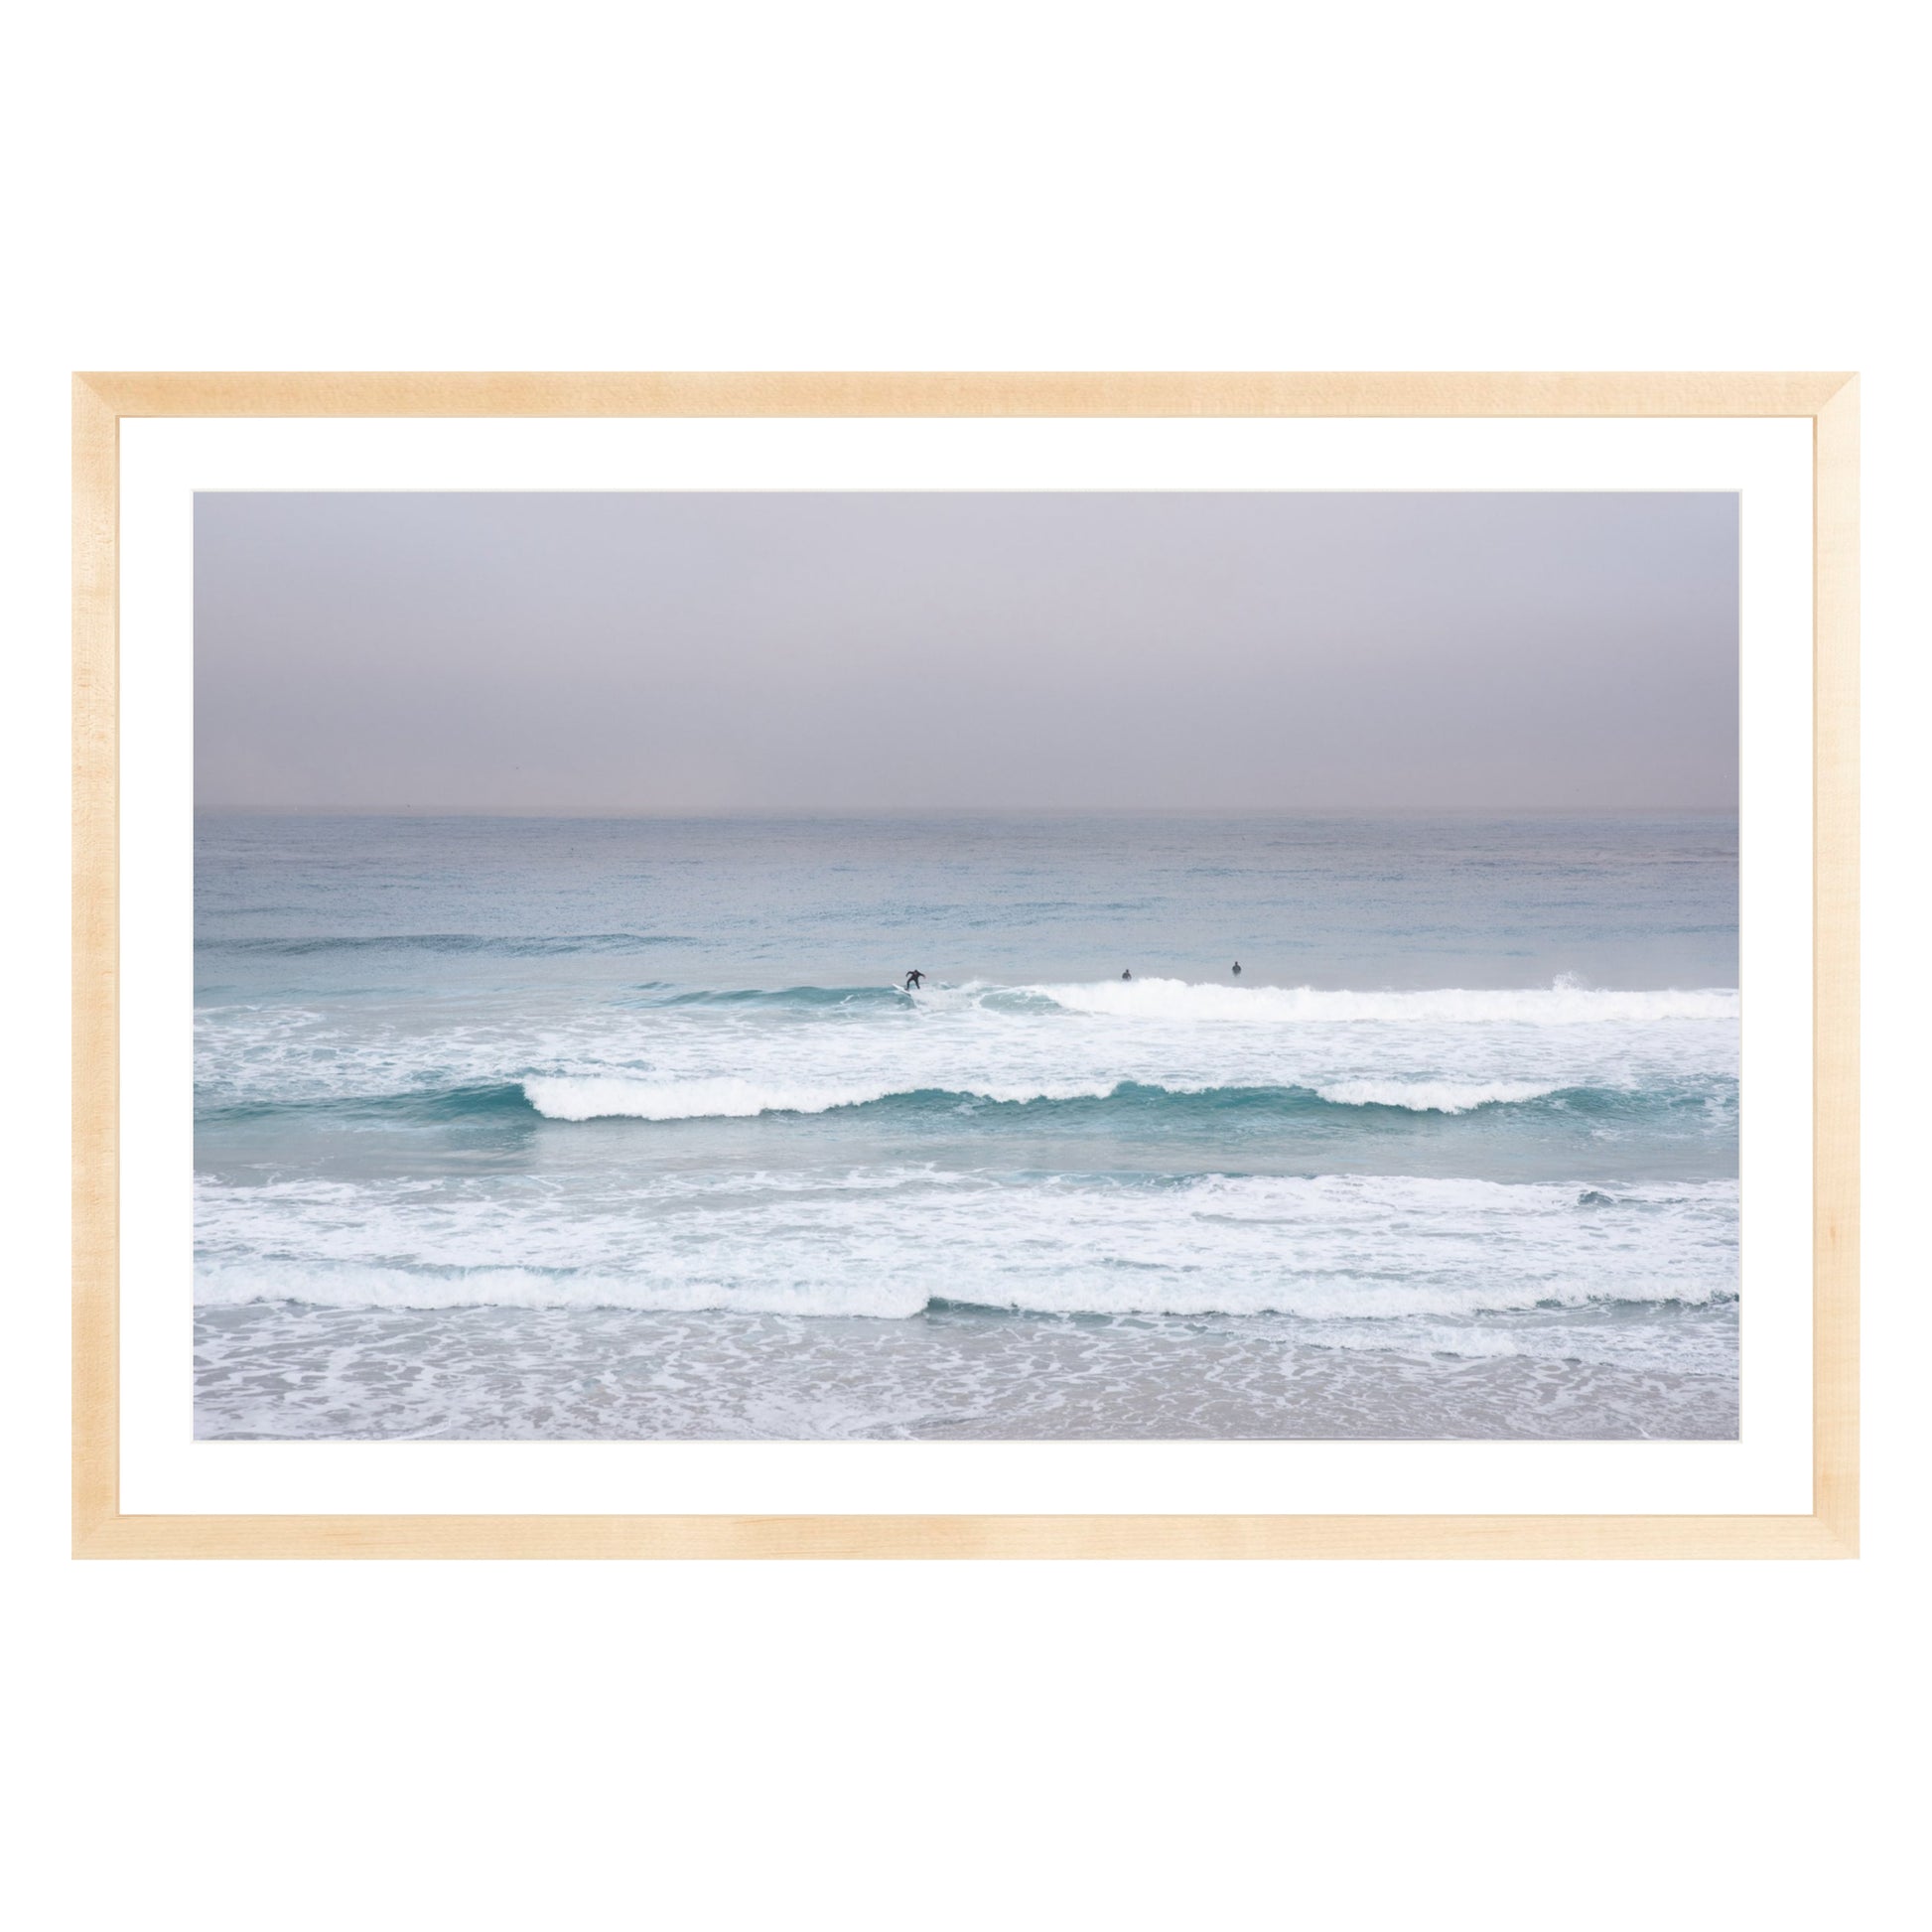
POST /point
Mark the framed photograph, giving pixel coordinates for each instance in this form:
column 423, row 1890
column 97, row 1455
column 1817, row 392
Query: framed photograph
column 965, row 965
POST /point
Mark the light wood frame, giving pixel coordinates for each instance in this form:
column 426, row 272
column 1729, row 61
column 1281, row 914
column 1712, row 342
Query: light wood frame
column 101, row 402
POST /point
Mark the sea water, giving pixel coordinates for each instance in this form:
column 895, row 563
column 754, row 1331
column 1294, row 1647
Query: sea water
column 526, row 1128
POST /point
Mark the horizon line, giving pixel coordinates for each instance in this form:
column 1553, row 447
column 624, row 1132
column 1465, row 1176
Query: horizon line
column 213, row 811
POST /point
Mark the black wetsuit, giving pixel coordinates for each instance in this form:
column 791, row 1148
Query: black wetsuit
column 913, row 980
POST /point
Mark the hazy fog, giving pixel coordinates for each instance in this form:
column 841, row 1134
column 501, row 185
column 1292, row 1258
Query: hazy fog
column 672, row 652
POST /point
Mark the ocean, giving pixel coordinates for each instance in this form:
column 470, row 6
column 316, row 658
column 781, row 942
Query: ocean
column 564, row 1128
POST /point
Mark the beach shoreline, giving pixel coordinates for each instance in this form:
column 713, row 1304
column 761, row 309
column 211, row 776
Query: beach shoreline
column 283, row 1371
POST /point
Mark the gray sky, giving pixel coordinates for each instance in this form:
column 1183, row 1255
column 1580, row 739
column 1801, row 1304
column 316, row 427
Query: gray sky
column 729, row 651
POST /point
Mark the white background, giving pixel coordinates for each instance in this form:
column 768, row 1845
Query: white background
column 1049, row 187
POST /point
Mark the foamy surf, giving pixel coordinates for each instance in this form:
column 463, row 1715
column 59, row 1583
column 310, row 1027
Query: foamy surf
column 1335, row 1248
column 604, row 1098
column 1559, row 1005
column 1434, row 1096
column 487, row 1148
column 813, row 1050
column 607, row 1098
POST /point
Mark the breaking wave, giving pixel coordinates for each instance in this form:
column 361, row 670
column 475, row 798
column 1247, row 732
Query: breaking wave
column 736, row 1098
column 1547, row 1005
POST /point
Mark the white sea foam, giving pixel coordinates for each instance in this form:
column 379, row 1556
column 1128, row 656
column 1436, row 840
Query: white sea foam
column 1561, row 1005
column 721, row 1098
column 726, row 1098
column 602, row 1098
column 1008, row 1044
column 1433, row 1096
column 356, row 1286
column 1336, row 1248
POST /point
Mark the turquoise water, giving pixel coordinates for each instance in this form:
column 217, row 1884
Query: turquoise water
column 566, row 1127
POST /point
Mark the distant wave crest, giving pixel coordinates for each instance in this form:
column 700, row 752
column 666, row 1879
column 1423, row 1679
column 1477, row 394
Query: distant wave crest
column 514, row 946
column 1544, row 1005
column 1167, row 1000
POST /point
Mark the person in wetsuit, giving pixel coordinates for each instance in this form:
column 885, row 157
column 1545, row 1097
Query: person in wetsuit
column 1127, row 975
column 1237, row 969
column 914, row 980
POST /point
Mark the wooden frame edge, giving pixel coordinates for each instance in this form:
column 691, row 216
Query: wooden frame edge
column 914, row 393
column 96, row 968
column 101, row 1531
column 1834, row 965
column 971, row 1538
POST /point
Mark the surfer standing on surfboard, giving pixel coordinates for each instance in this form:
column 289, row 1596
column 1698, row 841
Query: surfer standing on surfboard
column 914, row 980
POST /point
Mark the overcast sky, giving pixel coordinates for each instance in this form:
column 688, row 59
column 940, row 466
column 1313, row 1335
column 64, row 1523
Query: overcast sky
column 733, row 651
